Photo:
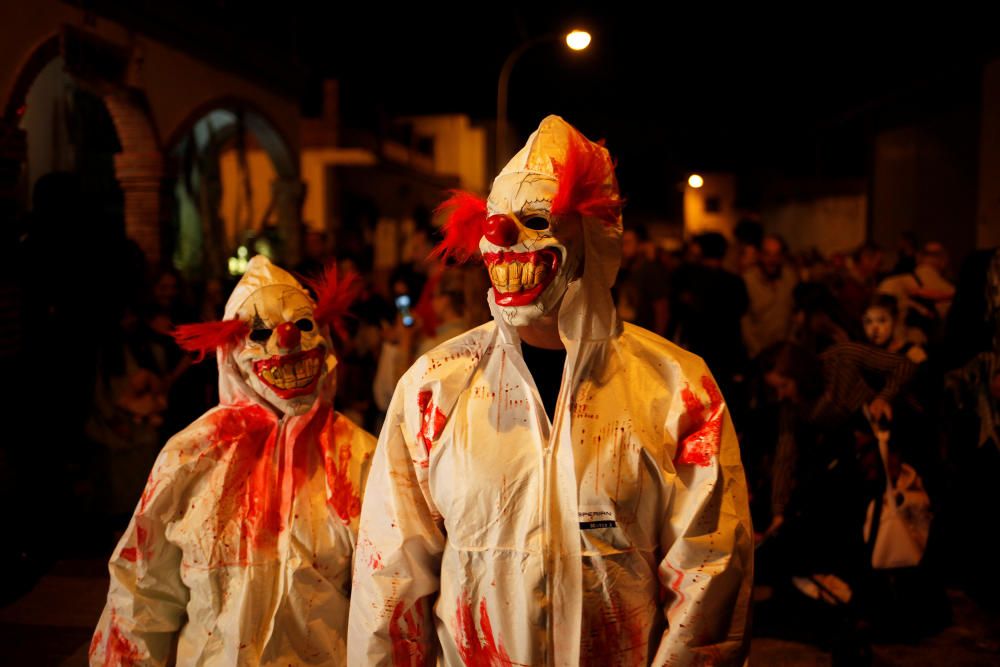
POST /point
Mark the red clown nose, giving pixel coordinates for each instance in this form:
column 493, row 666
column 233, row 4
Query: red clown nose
column 501, row 230
column 288, row 335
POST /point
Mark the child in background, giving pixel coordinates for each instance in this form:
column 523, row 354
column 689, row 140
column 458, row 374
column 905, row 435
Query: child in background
column 879, row 322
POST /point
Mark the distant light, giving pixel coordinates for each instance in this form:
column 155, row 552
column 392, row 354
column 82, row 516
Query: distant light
column 696, row 181
column 578, row 40
column 238, row 264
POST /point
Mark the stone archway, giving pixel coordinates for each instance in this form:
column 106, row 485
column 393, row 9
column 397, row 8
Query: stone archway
column 138, row 168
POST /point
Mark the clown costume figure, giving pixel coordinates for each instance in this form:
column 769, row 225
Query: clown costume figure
column 554, row 487
column 240, row 550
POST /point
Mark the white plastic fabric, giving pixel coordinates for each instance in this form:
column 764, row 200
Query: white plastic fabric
column 619, row 534
column 240, row 550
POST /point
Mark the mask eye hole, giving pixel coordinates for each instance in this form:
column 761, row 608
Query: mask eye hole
column 537, row 223
column 305, row 324
column 260, row 335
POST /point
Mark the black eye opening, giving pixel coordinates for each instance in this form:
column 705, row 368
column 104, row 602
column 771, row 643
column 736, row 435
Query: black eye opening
column 260, row 335
column 537, row 223
column 305, row 324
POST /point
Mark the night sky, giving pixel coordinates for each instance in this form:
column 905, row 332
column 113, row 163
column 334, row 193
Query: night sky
column 789, row 94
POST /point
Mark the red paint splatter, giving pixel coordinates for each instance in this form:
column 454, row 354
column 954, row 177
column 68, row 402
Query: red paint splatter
column 262, row 474
column 94, row 644
column 476, row 650
column 129, row 554
column 703, row 423
column 432, row 422
column 344, row 500
column 614, row 635
column 375, row 562
column 675, row 586
column 119, row 651
column 148, row 492
column 251, row 491
column 406, row 635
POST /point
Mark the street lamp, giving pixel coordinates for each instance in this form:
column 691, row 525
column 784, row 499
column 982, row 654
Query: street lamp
column 577, row 40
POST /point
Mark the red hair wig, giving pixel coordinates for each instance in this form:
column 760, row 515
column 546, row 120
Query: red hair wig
column 208, row 336
column 463, row 227
column 334, row 296
column 587, row 184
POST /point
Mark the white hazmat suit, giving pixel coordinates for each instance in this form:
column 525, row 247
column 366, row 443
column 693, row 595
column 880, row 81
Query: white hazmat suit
column 240, row 550
column 617, row 533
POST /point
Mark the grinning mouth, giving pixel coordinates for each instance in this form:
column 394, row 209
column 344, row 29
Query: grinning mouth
column 291, row 375
column 519, row 277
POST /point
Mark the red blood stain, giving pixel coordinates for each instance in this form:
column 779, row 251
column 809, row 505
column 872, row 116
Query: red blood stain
column 148, row 492
column 141, row 539
column 129, row 554
column 252, row 489
column 613, row 636
column 94, row 643
column 406, row 635
column 476, row 650
column 675, row 586
column 375, row 562
column 344, row 499
column 432, row 422
column 119, row 651
column 263, row 473
column 703, row 424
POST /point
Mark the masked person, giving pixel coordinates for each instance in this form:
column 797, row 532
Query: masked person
column 240, row 550
column 525, row 512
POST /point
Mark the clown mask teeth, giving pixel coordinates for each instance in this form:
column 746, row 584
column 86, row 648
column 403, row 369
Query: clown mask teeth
column 291, row 375
column 520, row 273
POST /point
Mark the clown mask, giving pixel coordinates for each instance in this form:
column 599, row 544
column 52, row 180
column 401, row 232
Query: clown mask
column 531, row 230
column 284, row 355
column 275, row 337
column 531, row 254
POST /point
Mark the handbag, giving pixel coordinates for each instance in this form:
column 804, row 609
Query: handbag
column 905, row 514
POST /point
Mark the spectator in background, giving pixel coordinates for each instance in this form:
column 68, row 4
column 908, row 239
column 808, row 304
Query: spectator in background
column 643, row 283
column 906, row 254
column 769, row 285
column 879, row 321
column 708, row 303
column 857, row 284
column 448, row 302
column 924, row 296
column 749, row 235
column 819, row 320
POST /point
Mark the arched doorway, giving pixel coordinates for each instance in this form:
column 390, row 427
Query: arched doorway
column 236, row 192
column 69, row 130
column 62, row 116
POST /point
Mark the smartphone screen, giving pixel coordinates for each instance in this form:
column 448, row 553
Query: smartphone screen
column 403, row 306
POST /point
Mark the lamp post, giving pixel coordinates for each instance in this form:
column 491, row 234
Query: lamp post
column 576, row 40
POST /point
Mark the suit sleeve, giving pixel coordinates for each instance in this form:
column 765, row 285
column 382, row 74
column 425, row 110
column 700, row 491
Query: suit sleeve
column 147, row 599
column 400, row 543
column 707, row 538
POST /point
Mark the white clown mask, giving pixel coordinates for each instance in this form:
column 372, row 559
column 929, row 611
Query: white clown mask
column 284, row 357
column 273, row 344
column 531, row 231
column 531, row 254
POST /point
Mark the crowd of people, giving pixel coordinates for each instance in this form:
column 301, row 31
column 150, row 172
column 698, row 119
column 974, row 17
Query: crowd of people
column 818, row 357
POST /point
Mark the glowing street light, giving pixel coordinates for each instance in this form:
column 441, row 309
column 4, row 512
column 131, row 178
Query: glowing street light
column 578, row 40
column 696, row 181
